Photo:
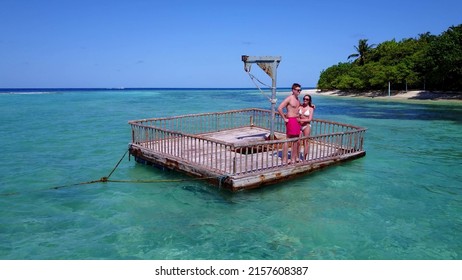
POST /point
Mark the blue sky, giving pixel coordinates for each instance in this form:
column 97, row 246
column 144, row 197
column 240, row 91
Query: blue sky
column 197, row 43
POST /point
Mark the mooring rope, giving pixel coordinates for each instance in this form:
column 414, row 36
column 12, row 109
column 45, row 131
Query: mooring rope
column 106, row 180
column 117, row 165
column 160, row 181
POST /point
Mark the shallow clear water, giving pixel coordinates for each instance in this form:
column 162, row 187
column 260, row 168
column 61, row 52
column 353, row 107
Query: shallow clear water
column 403, row 200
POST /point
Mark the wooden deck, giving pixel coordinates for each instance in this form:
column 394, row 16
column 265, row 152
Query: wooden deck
column 234, row 153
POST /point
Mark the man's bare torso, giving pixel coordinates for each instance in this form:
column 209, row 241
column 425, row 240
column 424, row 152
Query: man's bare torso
column 292, row 107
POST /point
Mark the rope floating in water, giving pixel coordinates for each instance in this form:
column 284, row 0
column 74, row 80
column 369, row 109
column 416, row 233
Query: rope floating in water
column 107, row 180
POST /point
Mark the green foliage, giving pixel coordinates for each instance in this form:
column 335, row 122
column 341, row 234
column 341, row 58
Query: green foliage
column 427, row 62
column 363, row 49
column 329, row 77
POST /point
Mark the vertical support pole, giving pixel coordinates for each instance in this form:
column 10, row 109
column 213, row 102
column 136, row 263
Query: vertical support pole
column 273, row 100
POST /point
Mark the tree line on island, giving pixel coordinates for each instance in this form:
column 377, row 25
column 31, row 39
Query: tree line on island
column 428, row 62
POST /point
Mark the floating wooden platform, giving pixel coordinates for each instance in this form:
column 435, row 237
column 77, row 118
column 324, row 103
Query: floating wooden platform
column 230, row 148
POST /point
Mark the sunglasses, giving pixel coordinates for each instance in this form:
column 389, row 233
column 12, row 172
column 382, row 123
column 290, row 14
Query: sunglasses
column 306, row 99
column 299, row 90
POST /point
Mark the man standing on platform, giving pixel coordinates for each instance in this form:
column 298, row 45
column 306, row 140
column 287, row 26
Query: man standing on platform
column 291, row 104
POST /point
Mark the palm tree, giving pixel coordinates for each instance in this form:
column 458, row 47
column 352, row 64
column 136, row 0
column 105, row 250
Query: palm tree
column 363, row 48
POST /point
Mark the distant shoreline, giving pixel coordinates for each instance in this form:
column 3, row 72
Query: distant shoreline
column 414, row 95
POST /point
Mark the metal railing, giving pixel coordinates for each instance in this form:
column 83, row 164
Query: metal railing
column 181, row 138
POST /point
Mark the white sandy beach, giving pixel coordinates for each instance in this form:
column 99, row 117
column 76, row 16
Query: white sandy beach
column 409, row 95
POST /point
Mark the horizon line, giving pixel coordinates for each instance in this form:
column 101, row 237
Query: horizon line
column 128, row 88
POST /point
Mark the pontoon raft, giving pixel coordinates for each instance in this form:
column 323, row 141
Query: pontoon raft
column 231, row 149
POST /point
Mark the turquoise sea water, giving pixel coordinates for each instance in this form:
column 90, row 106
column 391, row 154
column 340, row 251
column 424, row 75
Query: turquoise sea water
column 402, row 201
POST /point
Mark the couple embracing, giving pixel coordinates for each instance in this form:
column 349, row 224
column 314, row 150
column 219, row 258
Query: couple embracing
column 297, row 119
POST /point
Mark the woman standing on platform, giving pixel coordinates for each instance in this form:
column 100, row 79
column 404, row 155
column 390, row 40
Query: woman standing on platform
column 305, row 116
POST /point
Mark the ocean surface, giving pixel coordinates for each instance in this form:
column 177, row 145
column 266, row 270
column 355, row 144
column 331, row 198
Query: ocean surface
column 403, row 200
